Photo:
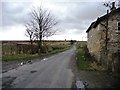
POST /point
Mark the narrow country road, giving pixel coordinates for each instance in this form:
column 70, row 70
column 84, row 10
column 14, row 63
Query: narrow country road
column 51, row 72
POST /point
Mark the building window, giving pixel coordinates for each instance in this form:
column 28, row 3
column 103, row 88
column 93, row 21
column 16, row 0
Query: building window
column 118, row 26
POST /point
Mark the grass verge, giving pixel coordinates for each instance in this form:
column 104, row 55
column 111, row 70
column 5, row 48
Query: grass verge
column 19, row 57
column 85, row 64
column 29, row 56
column 81, row 63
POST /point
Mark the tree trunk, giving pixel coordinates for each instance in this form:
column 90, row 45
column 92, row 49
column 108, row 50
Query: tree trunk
column 31, row 42
column 40, row 39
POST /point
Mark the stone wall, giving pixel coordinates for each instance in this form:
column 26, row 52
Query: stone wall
column 114, row 43
column 96, row 43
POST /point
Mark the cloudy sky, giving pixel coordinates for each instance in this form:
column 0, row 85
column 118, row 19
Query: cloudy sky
column 74, row 17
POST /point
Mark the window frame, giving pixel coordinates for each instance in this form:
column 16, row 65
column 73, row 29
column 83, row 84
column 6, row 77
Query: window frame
column 118, row 26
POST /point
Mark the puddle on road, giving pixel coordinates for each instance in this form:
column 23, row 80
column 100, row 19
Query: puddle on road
column 4, row 71
column 33, row 71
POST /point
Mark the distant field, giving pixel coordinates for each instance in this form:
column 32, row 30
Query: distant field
column 56, row 43
column 13, row 50
column 35, row 42
column 81, row 44
column 14, row 47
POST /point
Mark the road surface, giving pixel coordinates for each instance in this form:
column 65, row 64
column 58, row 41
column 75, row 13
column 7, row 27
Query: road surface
column 51, row 72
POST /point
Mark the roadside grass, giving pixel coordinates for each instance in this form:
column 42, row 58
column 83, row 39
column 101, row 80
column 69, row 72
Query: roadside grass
column 81, row 63
column 84, row 62
column 19, row 57
column 30, row 56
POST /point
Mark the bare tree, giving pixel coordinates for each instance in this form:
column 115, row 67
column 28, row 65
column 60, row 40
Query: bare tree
column 42, row 25
column 107, row 4
column 112, row 4
column 30, row 32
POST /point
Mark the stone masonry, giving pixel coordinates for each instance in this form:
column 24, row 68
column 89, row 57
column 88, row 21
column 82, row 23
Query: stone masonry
column 96, row 44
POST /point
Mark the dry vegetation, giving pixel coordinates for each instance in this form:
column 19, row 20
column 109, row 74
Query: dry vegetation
column 13, row 50
column 84, row 60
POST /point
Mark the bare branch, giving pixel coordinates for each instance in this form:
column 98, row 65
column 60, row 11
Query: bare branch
column 42, row 24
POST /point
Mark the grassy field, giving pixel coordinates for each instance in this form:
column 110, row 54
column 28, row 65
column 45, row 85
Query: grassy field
column 54, row 43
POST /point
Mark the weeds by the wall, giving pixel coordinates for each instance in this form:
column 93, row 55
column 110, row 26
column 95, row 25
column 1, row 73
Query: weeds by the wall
column 85, row 61
column 81, row 62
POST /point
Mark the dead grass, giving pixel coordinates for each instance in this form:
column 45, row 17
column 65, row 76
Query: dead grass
column 95, row 67
column 85, row 60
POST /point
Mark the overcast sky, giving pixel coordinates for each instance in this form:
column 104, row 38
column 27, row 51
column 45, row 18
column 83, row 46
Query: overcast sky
column 74, row 16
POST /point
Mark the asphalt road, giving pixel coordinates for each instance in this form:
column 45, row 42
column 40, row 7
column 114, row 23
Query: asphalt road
column 51, row 72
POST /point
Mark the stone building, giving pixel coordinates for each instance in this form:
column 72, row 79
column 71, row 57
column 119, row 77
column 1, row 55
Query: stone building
column 104, row 40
